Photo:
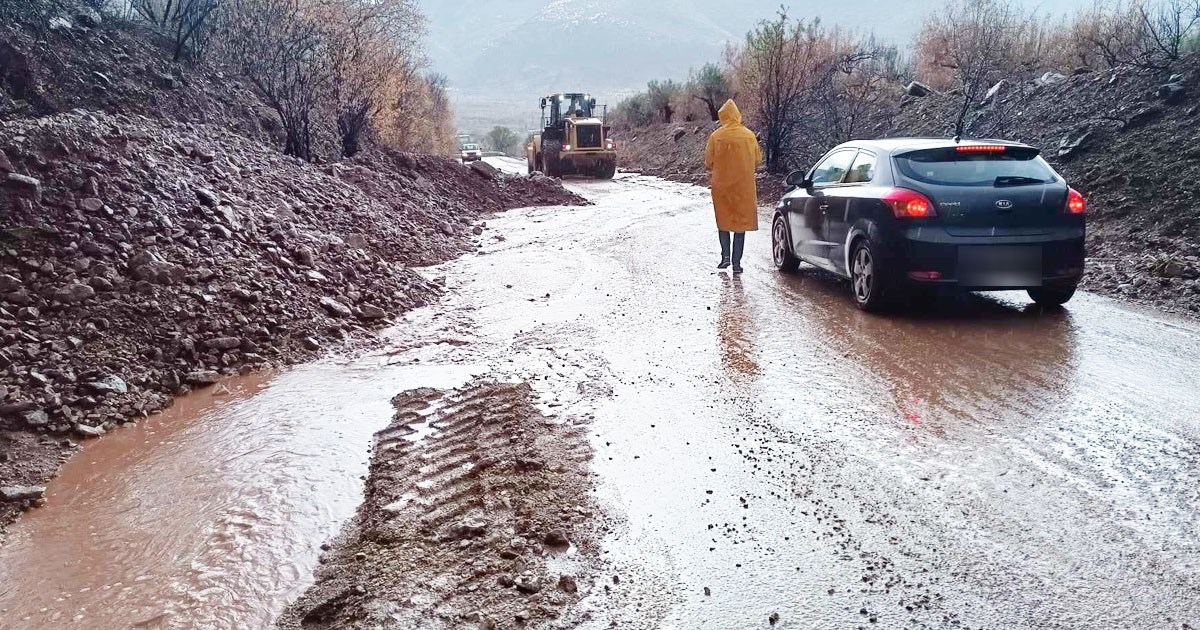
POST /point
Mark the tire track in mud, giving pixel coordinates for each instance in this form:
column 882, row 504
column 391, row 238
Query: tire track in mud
column 477, row 514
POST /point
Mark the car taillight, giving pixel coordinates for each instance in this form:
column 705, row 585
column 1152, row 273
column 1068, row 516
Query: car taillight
column 1076, row 204
column 981, row 148
column 909, row 204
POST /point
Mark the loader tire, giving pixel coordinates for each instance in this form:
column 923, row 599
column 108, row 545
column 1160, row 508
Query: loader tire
column 550, row 154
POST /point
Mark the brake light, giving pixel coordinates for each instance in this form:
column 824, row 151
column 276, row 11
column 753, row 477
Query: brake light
column 909, row 204
column 981, row 148
column 1076, row 204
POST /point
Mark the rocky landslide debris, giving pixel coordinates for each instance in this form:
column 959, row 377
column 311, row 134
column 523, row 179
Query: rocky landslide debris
column 459, row 531
column 141, row 258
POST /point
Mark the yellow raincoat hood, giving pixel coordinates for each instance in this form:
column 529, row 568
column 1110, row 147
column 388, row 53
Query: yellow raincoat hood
column 731, row 156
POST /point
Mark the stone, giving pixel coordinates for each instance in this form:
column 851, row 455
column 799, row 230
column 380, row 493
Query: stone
column 223, row 343
column 9, row 283
column 24, row 185
column 528, row 584
column 59, row 23
column 567, row 584
column 305, row 256
column 335, row 308
column 75, row 292
column 917, row 89
column 16, row 494
column 311, row 344
column 88, row 17
column 993, row 92
column 160, row 272
column 6, row 166
column 35, row 418
column 1142, row 117
column 92, row 204
column 91, row 248
column 470, row 528
column 110, row 384
column 1172, row 93
column 1071, row 145
column 1050, row 78
column 208, row 197
column 678, row 133
column 370, row 311
column 201, row 377
column 557, row 538
column 485, row 169
column 87, row 431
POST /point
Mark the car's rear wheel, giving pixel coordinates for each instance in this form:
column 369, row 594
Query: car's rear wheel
column 1052, row 295
column 870, row 286
column 781, row 247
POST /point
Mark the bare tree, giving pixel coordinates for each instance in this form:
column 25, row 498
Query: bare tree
column 186, row 22
column 662, row 95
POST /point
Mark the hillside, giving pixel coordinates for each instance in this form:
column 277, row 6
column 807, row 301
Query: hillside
column 1095, row 128
column 154, row 239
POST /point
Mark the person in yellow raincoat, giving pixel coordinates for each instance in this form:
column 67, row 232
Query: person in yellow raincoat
column 731, row 157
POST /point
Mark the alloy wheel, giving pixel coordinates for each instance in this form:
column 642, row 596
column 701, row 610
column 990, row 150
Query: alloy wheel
column 778, row 243
column 863, row 274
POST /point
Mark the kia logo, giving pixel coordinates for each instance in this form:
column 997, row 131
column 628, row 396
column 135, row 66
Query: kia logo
column 1004, row 204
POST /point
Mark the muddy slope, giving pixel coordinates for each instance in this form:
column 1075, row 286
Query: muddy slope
column 1101, row 130
column 485, row 523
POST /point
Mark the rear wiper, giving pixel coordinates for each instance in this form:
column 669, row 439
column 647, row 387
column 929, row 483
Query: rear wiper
column 1016, row 180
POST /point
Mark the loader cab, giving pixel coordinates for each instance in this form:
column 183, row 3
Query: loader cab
column 557, row 108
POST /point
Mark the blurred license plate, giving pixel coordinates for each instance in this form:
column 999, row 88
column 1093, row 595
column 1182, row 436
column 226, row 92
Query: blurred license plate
column 1000, row 266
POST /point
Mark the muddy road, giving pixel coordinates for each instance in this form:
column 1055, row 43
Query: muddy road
column 763, row 451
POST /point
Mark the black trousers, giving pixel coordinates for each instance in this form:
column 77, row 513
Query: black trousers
column 739, row 243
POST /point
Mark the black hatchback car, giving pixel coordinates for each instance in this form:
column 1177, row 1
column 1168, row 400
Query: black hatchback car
column 909, row 213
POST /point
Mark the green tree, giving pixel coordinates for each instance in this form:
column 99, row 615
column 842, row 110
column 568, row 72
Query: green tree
column 711, row 87
column 503, row 139
column 662, row 97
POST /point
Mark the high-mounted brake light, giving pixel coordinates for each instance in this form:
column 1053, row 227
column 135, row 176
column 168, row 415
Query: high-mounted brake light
column 909, row 204
column 1076, row 204
column 981, row 148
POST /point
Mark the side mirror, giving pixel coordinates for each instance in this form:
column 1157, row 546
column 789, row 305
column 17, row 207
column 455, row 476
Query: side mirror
column 543, row 103
column 798, row 179
column 592, row 103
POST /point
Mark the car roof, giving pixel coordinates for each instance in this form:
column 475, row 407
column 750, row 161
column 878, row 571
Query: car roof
column 897, row 145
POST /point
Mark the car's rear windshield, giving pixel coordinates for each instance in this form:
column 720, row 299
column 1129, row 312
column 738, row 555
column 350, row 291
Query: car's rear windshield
column 470, row 147
column 949, row 167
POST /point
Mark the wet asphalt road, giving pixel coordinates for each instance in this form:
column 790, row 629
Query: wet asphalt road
column 976, row 463
column 761, row 446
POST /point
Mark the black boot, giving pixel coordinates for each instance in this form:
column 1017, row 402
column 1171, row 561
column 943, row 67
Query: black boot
column 739, row 243
column 724, row 238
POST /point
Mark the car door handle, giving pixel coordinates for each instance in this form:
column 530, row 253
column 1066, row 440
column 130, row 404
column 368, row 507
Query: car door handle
column 824, row 207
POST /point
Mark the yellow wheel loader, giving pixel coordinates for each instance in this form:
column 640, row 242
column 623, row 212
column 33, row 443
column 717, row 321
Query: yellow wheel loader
column 572, row 141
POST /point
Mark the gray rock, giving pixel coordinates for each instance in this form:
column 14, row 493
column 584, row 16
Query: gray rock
column 311, row 344
column 223, row 343
column 993, row 92
column 1172, row 93
column 24, row 185
column 88, row 431
column 208, row 197
column 678, row 133
column 1050, row 78
column 15, row 494
column 88, row 17
column 6, row 166
column 485, row 169
column 370, row 311
column 94, row 249
column 92, row 204
column 34, row 418
column 160, row 272
column 75, row 292
column 110, row 384
column 9, row 283
column 918, row 89
column 470, row 528
column 59, row 23
column 335, row 308
column 305, row 256
column 1071, row 145
column 201, row 377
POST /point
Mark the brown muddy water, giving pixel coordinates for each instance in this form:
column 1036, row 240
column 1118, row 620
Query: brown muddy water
column 763, row 448
column 210, row 514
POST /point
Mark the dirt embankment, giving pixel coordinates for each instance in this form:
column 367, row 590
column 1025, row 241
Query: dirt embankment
column 486, row 523
column 141, row 256
column 1127, row 139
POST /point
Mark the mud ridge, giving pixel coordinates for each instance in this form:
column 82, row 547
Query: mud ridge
column 485, row 523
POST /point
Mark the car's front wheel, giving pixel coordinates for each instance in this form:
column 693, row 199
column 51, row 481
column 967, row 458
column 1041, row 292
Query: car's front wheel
column 1052, row 296
column 781, row 247
column 870, row 286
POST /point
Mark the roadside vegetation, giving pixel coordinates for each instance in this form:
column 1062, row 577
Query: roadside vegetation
column 337, row 73
column 806, row 86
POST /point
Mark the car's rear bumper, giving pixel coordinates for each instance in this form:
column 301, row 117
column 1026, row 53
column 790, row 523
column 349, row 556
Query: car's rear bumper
column 931, row 257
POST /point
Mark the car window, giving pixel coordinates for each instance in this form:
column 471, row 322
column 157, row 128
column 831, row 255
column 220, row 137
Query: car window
column 863, row 170
column 832, row 169
column 943, row 168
